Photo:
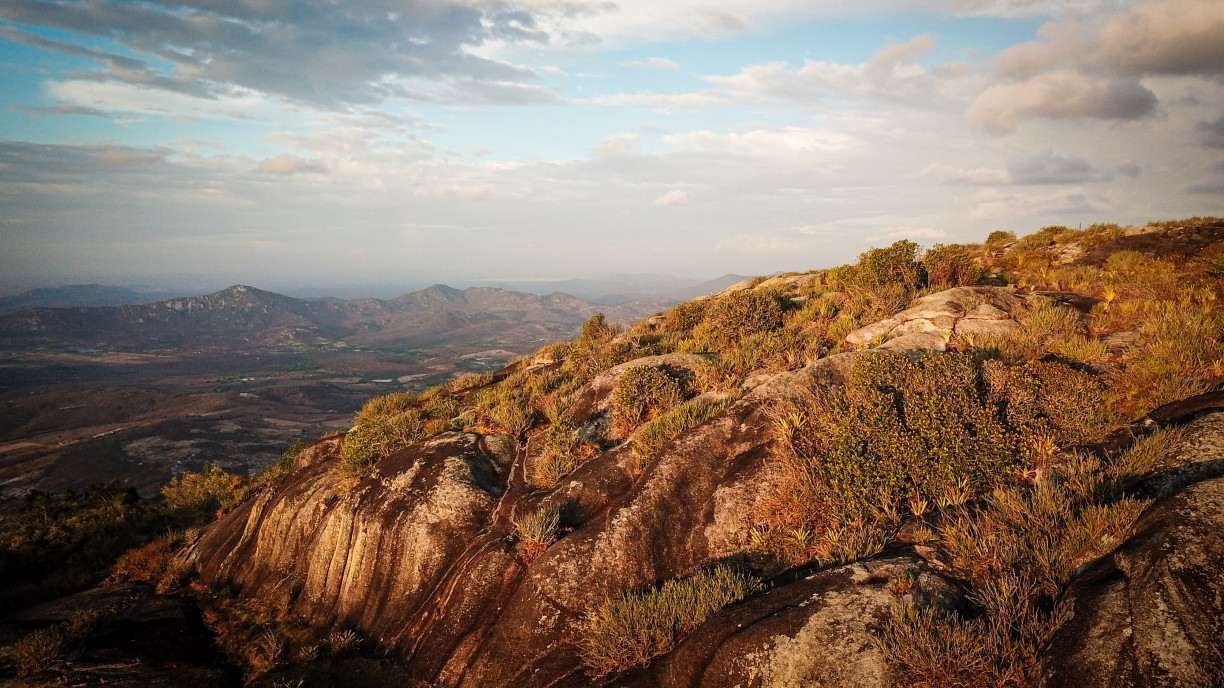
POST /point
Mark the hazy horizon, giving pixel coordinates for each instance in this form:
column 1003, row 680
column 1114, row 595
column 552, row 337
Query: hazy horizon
column 459, row 140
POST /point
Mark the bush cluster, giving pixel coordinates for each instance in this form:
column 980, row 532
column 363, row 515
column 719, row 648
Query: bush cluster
column 941, row 428
column 631, row 629
column 643, row 392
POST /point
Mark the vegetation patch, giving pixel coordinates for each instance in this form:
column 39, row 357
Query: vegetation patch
column 644, row 392
column 631, row 629
column 938, row 429
column 656, row 434
column 1016, row 553
column 537, row 530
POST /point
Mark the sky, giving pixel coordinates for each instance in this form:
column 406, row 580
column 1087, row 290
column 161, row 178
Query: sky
column 321, row 142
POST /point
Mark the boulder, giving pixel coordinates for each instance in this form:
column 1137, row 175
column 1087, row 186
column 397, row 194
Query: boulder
column 933, row 320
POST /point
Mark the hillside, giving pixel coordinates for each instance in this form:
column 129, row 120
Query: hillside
column 995, row 464
column 77, row 296
column 246, row 316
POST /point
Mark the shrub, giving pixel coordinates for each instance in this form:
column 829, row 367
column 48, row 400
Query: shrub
column 596, row 349
column 509, row 408
column 536, row 531
column 684, row 317
column 1045, row 326
column 1180, row 353
column 283, row 465
column 563, row 451
column 894, row 266
column 998, row 238
column 469, row 381
column 950, row 265
column 206, row 492
column 1016, row 554
column 643, row 392
column 736, row 316
column 937, row 429
column 148, row 563
column 384, row 425
column 629, row 630
column 341, row 643
column 34, row 653
column 652, row 437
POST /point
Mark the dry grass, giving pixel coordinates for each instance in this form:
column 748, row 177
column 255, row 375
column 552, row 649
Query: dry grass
column 1016, row 553
column 652, row 437
column 629, row 630
column 537, row 530
column 383, row 426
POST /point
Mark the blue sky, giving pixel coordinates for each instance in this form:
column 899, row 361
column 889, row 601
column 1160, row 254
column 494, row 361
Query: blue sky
column 414, row 140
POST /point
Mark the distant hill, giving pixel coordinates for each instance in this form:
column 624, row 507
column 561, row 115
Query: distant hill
column 616, row 289
column 78, row 295
column 246, row 316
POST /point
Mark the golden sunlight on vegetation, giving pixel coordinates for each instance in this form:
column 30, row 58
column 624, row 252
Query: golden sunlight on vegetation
column 629, row 630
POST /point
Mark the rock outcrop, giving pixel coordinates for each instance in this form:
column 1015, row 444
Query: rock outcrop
column 420, row 555
column 816, row 631
column 1152, row 614
column 933, row 320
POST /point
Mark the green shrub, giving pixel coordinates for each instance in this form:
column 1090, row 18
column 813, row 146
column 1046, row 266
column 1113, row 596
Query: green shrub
column 897, row 265
column 596, row 349
column 999, row 237
column 936, row 429
column 629, row 630
column 951, row 265
column 283, row 465
column 736, row 316
column 563, row 451
column 206, row 492
column 643, row 392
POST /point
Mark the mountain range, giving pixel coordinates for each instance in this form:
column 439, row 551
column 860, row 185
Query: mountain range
column 242, row 315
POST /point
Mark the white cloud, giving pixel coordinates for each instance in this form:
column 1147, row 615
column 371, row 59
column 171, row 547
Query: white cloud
column 619, row 144
column 672, row 197
column 291, row 164
column 1060, row 95
column 763, row 142
column 658, row 63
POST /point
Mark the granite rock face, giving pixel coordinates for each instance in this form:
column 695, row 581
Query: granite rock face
column 1152, row 614
column 420, row 554
column 932, row 320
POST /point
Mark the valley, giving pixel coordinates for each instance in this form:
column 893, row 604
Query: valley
column 135, row 394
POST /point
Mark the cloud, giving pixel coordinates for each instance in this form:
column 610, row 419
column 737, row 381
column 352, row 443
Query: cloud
column 661, row 101
column 893, row 73
column 620, row 144
column 962, row 176
column 673, row 197
column 1053, row 168
column 1090, row 66
column 290, row 164
column 1000, row 109
column 1166, row 37
column 1130, row 169
column 1212, row 133
column 762, row 142
column 657, row 63
column 312, row 51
